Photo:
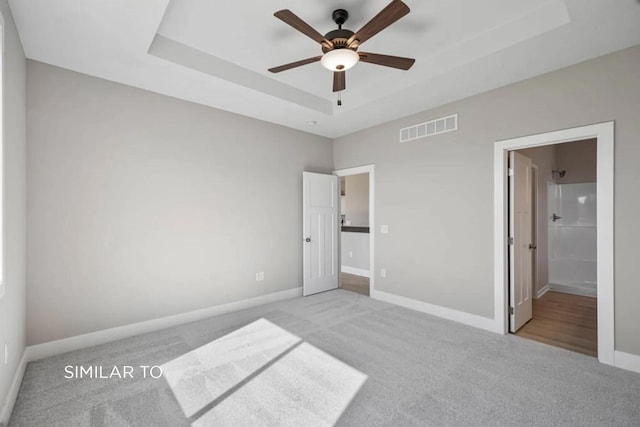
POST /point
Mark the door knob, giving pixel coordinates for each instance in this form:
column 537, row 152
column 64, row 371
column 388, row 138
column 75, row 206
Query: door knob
column 308, row 239
column 532, row 246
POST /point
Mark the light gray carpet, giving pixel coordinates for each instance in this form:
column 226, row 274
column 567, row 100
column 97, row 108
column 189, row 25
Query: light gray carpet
column 261, row 375
column 421, row 371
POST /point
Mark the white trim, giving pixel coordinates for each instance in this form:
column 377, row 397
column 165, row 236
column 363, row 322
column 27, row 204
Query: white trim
column 12, row 394
column 627, row 361
column 3, row 264
column 54, row 348
column 604, row 132
column 534, row 223
column 574, row 290
column 605, row 237
column 370, row 169
column 436, row 310
column 622, row 360
column 542, row 291
column 355, row 271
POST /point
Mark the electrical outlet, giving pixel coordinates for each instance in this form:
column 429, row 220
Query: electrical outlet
column 383, row 272
column 260, row 276
column 384, row 229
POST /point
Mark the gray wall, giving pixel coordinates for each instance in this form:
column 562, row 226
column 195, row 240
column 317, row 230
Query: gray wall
column 436, row 194
column 12, row 305
column 545, row 159
column 355, row 250
column 579, row 160
column 356, row 200
column 142, row 206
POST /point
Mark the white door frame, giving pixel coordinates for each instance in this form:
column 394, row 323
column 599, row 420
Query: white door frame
column 370, row 169
column 604, row 132
column 534, row 222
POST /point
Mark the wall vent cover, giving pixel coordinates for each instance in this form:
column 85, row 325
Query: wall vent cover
column 431, row 128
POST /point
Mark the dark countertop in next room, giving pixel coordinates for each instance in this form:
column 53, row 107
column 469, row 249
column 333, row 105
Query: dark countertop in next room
column 355, row 229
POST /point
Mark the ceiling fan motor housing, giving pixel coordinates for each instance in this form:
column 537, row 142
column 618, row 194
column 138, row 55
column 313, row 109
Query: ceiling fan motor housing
column 340, row 36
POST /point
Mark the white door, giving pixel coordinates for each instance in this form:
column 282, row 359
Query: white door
column 521, row 243
column 320, row 232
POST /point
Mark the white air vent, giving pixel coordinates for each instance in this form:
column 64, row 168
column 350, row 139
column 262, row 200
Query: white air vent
column 434, row 127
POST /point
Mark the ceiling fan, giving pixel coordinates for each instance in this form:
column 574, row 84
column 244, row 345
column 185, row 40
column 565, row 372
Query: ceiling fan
column 340, row 47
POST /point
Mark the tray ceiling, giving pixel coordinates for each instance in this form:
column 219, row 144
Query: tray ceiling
column 217, row 54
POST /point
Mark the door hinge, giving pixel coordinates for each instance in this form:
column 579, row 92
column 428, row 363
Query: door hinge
column 511, row 310
column 510, row 171
column 511, row 240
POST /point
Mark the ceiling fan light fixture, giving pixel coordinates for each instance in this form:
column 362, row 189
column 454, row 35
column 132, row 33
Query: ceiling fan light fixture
column 339, row 59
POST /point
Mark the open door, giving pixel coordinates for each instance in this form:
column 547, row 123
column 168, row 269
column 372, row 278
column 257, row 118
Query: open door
column 520, row 240
column 320, row 232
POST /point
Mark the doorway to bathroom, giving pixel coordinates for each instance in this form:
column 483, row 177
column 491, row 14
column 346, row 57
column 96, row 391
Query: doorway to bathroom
column 554, row 238
column 561, row 196
column 356, row 229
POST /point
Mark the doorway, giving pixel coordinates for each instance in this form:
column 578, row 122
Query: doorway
column 604, row 135
column 356, row 229
column 561, row 245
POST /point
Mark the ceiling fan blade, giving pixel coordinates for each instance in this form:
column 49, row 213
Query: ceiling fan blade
column 339, row 81
column 387, row 16
column 295, row 64
column 387, row 60
column 292, row 19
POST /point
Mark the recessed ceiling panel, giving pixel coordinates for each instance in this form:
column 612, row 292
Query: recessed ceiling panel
column 440, row 35
column 217, row 53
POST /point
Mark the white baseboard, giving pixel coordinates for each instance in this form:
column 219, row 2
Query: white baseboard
column 12, row 395
column 54, row 348
column 446, row 313
column 542, row 291
column 627, row 361
column 573, row 290
column 356, row 271
column 622, row 360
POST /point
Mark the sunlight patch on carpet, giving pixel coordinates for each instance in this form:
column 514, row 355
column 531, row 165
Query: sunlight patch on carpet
column 206, row 373
column 262, row 375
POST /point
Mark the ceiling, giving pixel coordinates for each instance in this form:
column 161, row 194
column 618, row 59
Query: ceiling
column 217, row 54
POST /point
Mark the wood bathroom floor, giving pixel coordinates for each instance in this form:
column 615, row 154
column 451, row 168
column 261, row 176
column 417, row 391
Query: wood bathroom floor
column 566, row 321
column 353, row 283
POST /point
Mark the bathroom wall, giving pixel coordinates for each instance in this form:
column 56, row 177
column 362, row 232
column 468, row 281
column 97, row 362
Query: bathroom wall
column 578, row 159
column 355, row 253
column 355, row 245
column 356, row 200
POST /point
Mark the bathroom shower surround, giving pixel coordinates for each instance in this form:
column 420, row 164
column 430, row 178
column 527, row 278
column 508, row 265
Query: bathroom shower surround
column 572, row 238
